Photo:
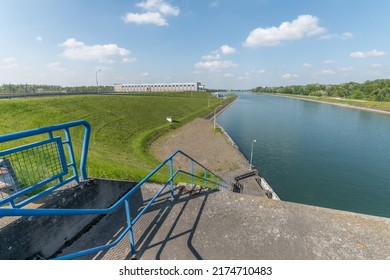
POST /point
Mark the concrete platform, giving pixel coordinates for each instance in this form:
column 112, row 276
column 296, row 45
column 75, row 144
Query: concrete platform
column 225, row 225
column 250, row 186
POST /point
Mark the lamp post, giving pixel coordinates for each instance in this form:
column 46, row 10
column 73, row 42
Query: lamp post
column 250, row 164
column 97, row 84
column 215, row 110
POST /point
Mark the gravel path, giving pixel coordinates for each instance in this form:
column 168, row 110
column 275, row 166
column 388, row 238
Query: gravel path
column 197, row 139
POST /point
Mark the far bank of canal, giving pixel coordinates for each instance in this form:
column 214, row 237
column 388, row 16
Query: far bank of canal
column 315, row 153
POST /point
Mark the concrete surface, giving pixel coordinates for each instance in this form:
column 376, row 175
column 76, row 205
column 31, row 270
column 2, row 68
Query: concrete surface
column 225, row 225
column 29, row 237
column 251, row 187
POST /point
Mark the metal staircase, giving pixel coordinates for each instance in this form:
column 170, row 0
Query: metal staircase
column 41, row 167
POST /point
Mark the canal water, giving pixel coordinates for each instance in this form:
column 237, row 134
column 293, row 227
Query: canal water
column 313, row 153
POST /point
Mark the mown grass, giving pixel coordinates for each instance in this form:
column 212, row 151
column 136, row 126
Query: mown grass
column 123, row 126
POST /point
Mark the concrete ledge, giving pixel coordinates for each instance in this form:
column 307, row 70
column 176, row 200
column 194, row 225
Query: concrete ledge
column 247, row 227
column 27, row 237
column 226, row 225
column 208, row 225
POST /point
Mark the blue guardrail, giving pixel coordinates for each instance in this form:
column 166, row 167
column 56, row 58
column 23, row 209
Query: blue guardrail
column 39, row 166
column 45, row 165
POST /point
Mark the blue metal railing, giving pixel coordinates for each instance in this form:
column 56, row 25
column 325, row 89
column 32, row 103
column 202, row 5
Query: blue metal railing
column 44, row 163
column 215, row 182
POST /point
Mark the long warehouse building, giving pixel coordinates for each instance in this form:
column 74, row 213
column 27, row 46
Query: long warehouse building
column 161, row 87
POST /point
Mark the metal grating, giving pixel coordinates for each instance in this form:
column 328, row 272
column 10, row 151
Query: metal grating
column 31, row 164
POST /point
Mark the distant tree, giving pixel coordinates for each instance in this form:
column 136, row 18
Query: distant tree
column 370, row 90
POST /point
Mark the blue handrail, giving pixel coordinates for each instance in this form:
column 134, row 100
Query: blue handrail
column 216, row 181
column 60, row 171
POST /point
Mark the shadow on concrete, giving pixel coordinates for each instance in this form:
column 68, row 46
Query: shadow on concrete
column 166, row 230
column 172, row 233
column 43, row 237
column 173, row 227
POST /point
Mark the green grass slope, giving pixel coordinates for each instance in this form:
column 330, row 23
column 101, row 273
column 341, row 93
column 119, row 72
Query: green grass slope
column 123, row 126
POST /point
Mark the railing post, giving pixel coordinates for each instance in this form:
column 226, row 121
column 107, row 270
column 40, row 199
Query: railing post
column 68, row 142
column 84, row 151
column 205, row 178
column 170, row 175
column 131, row 235
column 192, row 171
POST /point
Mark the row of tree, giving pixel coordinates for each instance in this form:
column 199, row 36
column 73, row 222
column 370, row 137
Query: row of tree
column 377, row 90
column 25, row 88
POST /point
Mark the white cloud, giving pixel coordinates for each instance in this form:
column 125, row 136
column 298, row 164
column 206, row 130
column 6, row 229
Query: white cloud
column 328, row 72
column 346, row 36
column 159, row 6
column 56, row 66
column 143, row 77
column 8, row 60
column 216, row 55
column 346, row 69
column 211, row 57
column 213, row 62
column 243, row 78
column 304, row 25
column 9, row 63
column 249, row 75
column 225, row 49
column 262, row 71
column 374, row 73
column 215, row 65
column 109, row 53
column 376, row 65
column 39, row 39
column 342, row 36
column 129, row 59
column 289, row 76
column 156, row 12
column 329, row 61
column 307, row 65
column 145, row 18
column 372, row 53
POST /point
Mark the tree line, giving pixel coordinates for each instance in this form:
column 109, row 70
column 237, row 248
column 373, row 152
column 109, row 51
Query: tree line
column 38, row 89
column 377, row 90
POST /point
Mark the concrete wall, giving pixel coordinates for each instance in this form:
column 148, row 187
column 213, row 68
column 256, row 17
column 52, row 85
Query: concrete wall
column 28, row 237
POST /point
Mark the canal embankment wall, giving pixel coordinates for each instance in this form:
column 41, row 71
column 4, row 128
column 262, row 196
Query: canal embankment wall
column 258, row 180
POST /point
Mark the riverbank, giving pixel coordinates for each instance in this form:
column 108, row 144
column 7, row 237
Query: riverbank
column 213, row 148
column 220, row 109
column 343, row 102
column 200, row 141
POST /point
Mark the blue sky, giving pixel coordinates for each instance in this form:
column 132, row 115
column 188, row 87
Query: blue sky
column 222, row 43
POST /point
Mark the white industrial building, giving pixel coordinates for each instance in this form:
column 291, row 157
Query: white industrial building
column 161, row 87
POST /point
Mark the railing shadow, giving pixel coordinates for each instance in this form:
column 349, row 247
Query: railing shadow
column 164, row 228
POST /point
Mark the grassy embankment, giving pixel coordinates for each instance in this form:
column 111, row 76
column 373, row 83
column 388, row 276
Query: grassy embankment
column 376, row 105
column 123, row 127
